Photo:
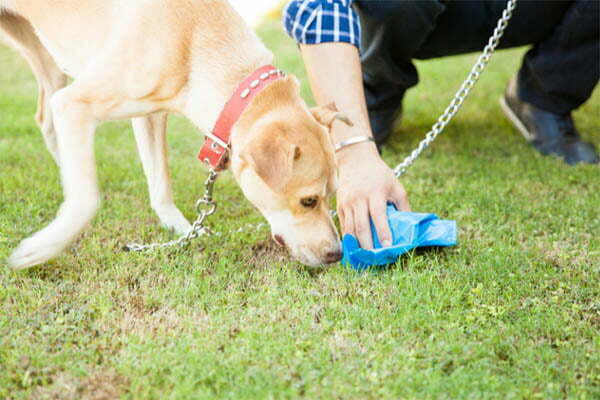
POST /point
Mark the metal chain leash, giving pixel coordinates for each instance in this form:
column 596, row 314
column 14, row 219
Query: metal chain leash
column 463, row 92
column 206, row 206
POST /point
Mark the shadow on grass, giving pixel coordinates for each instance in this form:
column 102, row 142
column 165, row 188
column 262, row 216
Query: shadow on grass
column 415, row 260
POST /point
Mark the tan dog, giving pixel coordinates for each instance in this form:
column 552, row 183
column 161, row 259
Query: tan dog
column 142, row 59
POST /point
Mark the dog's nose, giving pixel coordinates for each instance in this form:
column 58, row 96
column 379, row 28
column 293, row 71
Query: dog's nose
column 333, row 257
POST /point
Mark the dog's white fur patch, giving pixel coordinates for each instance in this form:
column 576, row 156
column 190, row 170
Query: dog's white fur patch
column 6, row 5
column 59, row 57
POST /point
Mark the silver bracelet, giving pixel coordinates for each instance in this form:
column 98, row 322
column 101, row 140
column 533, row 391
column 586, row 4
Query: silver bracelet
column 353, row 140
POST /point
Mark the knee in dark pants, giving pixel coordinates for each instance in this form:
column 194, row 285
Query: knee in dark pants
column 385, row 78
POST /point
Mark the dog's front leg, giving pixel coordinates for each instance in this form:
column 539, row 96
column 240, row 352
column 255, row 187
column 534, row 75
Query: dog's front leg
column 75, row 125
column 150, row 135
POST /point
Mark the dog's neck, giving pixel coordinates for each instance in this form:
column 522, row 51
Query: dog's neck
column 278, row 100
column 251, row 87
column 216, row 84
column 220, row 56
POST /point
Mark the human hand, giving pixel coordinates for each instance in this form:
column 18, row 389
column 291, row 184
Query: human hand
column 366, row 185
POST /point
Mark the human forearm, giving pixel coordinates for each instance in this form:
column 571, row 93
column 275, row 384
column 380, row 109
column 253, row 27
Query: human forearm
column 335, row 75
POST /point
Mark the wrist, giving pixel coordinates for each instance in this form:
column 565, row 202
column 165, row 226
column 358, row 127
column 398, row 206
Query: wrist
column 356, row 154
column 358, row 151
column 352, row 141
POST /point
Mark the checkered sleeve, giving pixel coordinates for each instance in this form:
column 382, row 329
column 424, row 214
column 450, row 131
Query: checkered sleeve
column 322, row 21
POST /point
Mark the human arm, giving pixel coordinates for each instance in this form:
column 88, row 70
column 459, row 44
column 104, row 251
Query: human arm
column 366, row 183
column 329, row 35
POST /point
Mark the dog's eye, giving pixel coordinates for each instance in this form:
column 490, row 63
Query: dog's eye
column 310, row 202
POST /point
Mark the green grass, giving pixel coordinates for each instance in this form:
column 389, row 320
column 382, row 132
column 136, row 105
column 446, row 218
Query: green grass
column 512, row 312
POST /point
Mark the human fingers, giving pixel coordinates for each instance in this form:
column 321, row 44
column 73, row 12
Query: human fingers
column 362, row 225
column 341, row 215
column 377, row 209
column 400, row 198
column 346, row 221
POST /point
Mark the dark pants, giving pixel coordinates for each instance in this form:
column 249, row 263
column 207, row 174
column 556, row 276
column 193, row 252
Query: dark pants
column 558, row 73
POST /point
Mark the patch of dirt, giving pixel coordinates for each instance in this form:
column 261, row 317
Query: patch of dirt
column 104, row 386
column 150, row 320
column 565, row 253
column 64, row 387
column 99, row 385
column 162, row 320
column 266, row 252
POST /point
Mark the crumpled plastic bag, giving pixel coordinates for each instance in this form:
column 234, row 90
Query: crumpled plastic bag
column 409, row 230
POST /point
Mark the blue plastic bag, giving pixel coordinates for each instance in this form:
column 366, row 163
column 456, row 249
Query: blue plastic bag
column 409, row 230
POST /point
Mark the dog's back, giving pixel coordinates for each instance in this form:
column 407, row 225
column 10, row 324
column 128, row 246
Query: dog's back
column 76, row 31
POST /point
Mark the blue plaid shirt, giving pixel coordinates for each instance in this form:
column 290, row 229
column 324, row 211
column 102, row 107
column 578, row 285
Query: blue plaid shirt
column 321, row 21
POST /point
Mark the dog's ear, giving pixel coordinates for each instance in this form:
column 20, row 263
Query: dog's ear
column 272, row 157
column 329, row 113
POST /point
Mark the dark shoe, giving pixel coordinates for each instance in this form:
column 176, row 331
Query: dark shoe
column 385, row 108
column 549, row 133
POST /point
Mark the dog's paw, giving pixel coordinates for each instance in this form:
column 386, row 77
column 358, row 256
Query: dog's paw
column 31, row 252
column 179, row 228
column 172, row 219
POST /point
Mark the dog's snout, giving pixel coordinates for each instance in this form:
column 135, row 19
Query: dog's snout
column 333, row 257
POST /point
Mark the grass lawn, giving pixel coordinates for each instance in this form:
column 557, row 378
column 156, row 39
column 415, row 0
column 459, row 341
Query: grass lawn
column 512, row 312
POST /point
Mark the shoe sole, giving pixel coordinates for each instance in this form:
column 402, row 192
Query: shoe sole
column 515, row 120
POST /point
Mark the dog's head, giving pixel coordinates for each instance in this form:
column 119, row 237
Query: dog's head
column 283, row 159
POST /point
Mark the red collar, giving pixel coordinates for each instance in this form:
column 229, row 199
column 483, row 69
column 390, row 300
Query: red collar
column 216, row 147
